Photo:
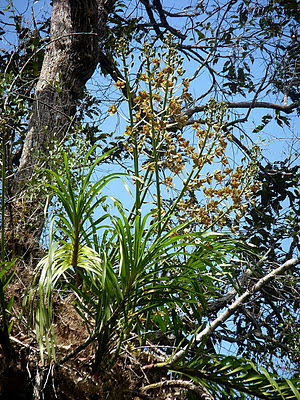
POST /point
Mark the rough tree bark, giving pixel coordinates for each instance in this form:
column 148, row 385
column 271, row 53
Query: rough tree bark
column 70, row 60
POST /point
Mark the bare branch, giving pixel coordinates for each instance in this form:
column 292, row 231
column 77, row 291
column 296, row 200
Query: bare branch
column 151, row 17
column 288, row 109
column 235, row 305
column 221, row 302
column 245, row 296
column 199, row 390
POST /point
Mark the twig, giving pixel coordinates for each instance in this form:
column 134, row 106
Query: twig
column 199, row 390
column 13, row 339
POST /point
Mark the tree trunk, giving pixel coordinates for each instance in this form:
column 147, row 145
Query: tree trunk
column 70, row 60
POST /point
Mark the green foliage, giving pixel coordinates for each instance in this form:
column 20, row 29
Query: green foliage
column 137, row 277
column 74, row 255
column 19, row 69
column 5, row 274
column 6, row 307
column 276, row 211
column 141, row 281
column 238, row 378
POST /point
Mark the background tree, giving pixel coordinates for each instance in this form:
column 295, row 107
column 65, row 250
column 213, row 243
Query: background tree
column 243, row 54
column 70, row 58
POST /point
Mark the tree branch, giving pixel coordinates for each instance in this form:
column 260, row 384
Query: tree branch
column 288, row 109
column 221, row 302
column 151, row 17
column 248, row 293
column 197, row 389
column 235, row 305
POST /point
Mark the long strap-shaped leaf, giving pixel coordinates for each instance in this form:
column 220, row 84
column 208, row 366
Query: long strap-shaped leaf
column 223, row 373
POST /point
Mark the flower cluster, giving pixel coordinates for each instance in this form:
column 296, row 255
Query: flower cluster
column 191, row 159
